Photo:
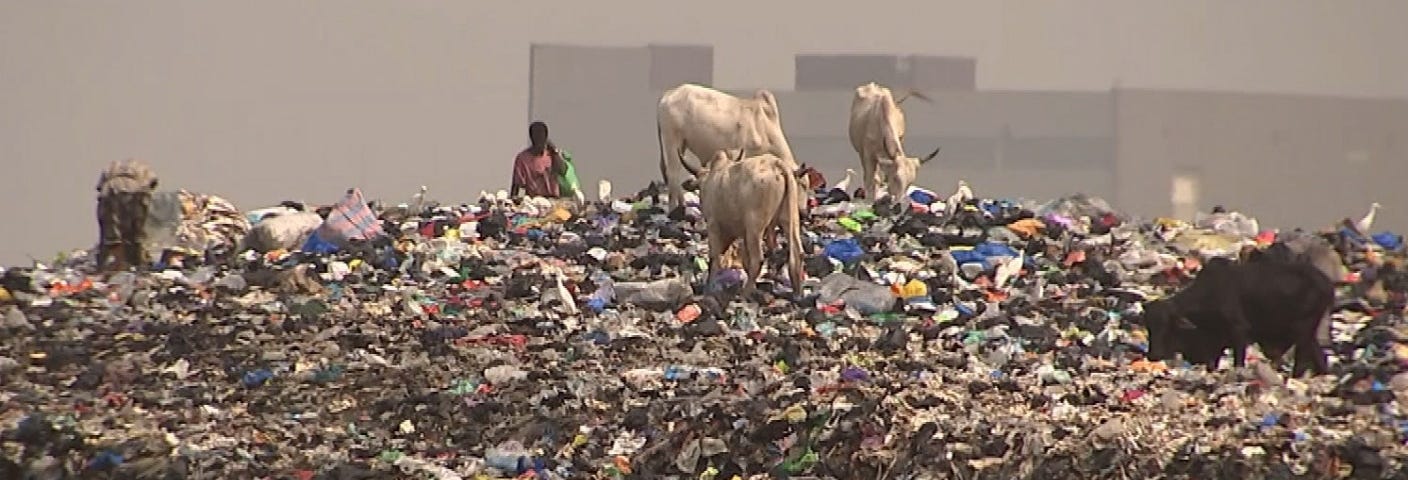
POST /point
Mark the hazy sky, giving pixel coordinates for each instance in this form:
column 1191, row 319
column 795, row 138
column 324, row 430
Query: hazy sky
column 260, row 100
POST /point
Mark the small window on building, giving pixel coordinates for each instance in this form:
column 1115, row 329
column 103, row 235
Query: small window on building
column 1356, row 157
column 1184, row 196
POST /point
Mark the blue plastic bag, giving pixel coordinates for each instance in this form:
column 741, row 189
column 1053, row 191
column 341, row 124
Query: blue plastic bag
column 1389, row 240
column 846, row 250
column 318, row 245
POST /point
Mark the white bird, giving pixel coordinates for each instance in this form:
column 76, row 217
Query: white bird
column 1367, row 222
column 419, row 198
column 845, row 183
column 1006, row 271
column 963, row 194
column 603, row 190
column 963, row 190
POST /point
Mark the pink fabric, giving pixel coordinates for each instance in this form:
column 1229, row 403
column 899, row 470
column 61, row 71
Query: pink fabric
column 534, row 173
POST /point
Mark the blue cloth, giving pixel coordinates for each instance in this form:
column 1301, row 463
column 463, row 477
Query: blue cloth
column 922, row 197
column 983, row 251
column 964, row 257
column 316, row 244
column 1354, row 237
column 1388, row 240
column 846, row 250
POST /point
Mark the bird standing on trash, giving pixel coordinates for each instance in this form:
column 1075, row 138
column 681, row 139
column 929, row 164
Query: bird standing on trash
column 124, row 199
column 845, row 183
column 960, row 196
column 1364, row 224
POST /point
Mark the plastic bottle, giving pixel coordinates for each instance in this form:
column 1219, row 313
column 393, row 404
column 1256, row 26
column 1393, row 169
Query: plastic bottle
column 507, row 457
column 670, row 291
column 605, row 292
column 123, row 285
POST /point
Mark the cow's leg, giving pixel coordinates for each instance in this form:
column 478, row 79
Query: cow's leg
column 135, row 218
column 752, row 258
column 718, row 244
column 672, row 148
column 867, row 174
column 1309, row 356
column 1275, row 354
column 770, row 237
column 107, row 232
column 1239, row 333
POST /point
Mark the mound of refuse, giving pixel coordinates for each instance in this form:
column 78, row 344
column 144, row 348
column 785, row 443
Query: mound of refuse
column 542, row 339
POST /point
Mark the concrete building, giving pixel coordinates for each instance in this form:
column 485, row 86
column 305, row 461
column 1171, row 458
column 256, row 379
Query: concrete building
column 1288, row 159
column 261, row 100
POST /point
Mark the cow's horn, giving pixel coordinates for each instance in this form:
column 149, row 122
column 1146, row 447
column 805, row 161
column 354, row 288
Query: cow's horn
column 931, row 155
column 915, row 94
column 740, row 155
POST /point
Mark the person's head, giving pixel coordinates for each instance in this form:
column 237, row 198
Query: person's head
column 538, row 134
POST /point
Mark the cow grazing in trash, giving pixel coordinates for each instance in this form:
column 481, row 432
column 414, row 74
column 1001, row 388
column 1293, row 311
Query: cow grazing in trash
column 877, row 134
column 742, row 199
column 705, row 121
column 1277, row 305
column 125, row 191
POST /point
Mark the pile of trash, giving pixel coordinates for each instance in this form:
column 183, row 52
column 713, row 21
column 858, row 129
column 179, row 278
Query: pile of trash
column 955, row 338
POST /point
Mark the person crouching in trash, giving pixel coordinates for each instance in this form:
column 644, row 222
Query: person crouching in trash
column 124, row 199
column 543, row 170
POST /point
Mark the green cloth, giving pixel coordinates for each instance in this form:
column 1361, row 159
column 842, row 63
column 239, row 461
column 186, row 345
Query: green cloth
column 567, row 183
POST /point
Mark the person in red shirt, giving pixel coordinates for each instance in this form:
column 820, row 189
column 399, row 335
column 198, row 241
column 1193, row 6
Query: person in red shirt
column 536, row 169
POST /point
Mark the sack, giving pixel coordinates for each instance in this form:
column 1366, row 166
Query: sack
column 282, row 232
column 567, row 183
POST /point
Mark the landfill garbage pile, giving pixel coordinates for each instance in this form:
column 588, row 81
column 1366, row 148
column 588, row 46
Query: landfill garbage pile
column 982, row 339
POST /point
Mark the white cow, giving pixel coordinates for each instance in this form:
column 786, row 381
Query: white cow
column 877, row 134
column 705, row 121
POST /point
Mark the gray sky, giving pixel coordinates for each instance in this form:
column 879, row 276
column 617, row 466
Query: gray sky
column 259, row 100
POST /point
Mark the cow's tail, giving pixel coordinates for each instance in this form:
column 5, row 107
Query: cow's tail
column 660, row 137
column 792, row 228
column 692, row 169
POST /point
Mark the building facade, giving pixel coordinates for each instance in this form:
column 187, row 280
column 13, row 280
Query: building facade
column 1290, row 160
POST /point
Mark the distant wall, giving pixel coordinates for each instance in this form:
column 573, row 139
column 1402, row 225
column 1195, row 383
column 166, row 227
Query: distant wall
column 600, row 103
column 258, row 100
column 1290, row 160
column 920, row 72
column 1037, row 144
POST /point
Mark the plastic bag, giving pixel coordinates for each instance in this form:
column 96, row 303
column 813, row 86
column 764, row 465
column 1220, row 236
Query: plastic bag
column 659, row 294
column 567, row 183
column 867, row 298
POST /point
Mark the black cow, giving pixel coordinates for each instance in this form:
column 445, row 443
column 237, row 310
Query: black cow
column 1277, row 305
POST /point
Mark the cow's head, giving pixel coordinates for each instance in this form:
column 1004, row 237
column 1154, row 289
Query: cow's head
column 802, row 178
column 1169, row 330
column 901, row 172
column 813, row 179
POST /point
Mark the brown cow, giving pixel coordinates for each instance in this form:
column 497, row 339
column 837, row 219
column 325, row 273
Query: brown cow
column 742, row 199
